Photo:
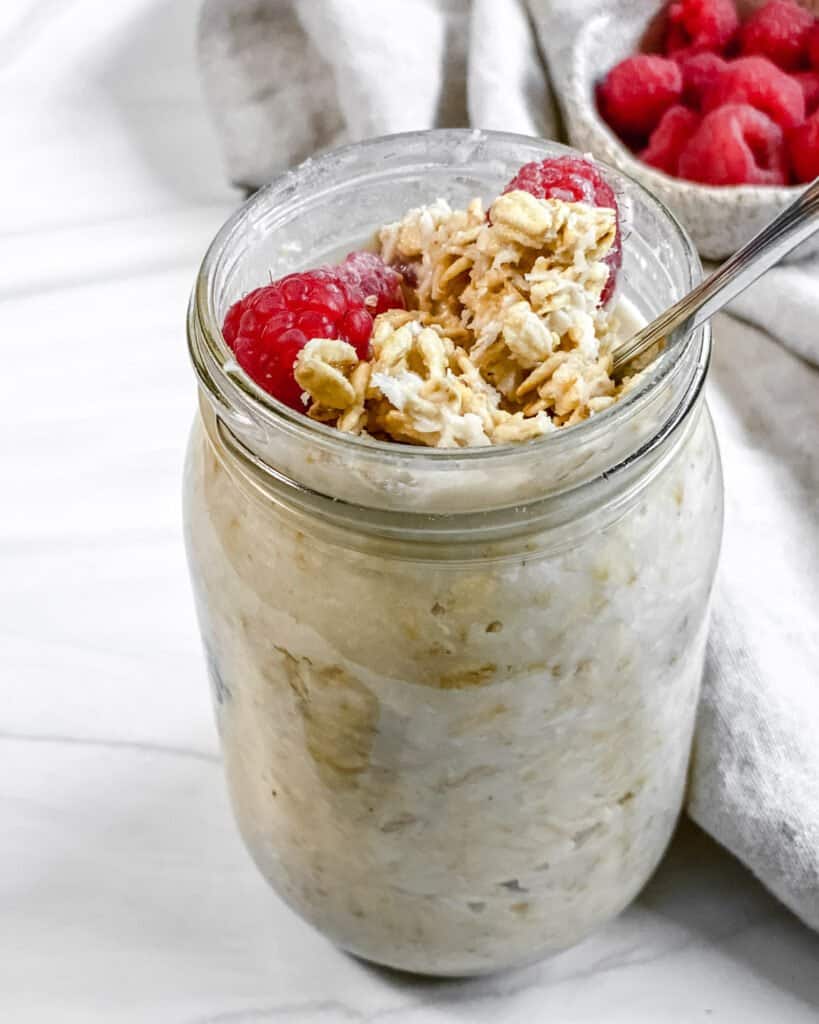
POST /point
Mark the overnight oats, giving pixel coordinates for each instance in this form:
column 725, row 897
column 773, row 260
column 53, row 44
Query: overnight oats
column 452, row 576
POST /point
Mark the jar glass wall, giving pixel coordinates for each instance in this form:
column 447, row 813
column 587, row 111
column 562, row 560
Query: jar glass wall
column 455, row 689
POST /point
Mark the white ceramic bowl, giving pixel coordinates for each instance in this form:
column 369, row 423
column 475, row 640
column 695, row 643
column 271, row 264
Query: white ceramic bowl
column 719, row 219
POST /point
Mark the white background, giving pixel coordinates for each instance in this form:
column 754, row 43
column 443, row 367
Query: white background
column 125, row 894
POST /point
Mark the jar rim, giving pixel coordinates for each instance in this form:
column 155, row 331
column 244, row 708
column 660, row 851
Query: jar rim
column 218, row 371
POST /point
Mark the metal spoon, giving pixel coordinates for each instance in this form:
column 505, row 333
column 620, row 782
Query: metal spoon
column 796, row 223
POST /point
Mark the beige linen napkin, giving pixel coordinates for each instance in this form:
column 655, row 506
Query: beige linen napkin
column 285, row 78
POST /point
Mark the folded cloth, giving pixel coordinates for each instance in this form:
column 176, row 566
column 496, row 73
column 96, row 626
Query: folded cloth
column 285, row 78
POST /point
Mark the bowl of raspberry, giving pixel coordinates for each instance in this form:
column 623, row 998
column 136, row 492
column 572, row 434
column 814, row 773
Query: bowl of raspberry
column 712, row 104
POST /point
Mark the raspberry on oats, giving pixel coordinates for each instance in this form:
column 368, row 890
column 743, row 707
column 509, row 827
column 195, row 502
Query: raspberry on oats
column 636, row 93
column 735, row 145
column 270, row 326
column 574, row 180
column 779, row 31
column 700, row 71
column 698, row 25
column 366, row 276
column 570, row 178
column 803, row 146
column 759, row 83
column 669, row 138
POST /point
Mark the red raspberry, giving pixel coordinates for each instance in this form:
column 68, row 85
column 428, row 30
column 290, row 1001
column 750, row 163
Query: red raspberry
column 813, row 46
column 378, row 285
column 269, row 326
column 759, row 83
column 636, row 93
column 700, row 71
column 669, row 138
column 697, row 25
column 779, row 31
column 809, row 83
column 803, row 145
column 735, row 145
column 573, row 180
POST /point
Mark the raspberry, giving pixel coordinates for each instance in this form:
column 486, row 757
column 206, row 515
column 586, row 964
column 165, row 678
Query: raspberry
column 637, row 92
column 809, row 83
column 735, row 145
column 669, row 138
column 367, row 275
column 759, row 83
column 698, row 25
column 813, row 47
column 779, row 31
column 574, row 180
column 699, row 71
column 269, row 326
column 803, row 145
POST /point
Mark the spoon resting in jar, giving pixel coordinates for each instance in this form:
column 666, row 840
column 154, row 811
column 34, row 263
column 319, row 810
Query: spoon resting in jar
column 794, row 224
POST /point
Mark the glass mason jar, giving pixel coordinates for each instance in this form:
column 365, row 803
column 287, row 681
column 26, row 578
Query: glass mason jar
column 456, row 688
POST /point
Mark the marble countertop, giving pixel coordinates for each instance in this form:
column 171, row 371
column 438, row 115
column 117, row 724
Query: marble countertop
column 125, row 893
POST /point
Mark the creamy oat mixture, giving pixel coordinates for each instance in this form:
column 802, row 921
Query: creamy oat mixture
column 505, row 338
column 452, row 762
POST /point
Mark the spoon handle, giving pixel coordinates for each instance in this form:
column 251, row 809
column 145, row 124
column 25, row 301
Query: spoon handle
column 794, row 224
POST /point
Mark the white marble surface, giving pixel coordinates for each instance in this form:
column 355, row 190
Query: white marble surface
column 125, row 894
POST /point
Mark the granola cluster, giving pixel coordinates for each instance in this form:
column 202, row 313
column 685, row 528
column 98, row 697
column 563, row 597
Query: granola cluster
column 503, row 340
